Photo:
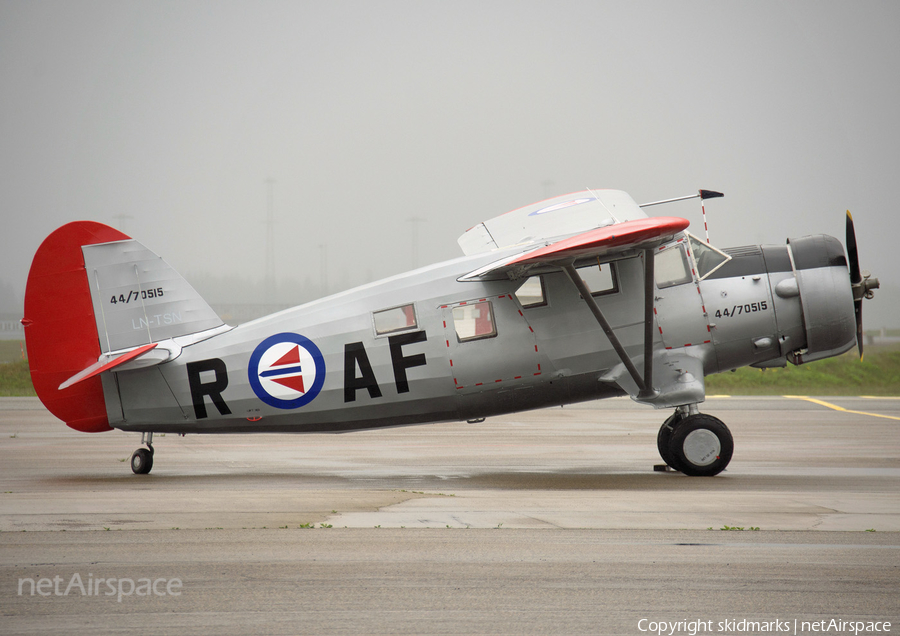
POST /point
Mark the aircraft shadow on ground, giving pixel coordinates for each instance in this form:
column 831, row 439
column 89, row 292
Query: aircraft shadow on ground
column 497, row 480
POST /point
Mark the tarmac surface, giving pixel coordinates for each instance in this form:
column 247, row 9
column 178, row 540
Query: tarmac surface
column 551, row 521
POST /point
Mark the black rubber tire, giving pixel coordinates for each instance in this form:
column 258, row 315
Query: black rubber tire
column 141, row 461
column 665, row 434
column 701, row 446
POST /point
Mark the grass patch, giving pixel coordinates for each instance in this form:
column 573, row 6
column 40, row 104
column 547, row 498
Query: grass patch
column 15, row 379
column 877, row 374
column 11, row 350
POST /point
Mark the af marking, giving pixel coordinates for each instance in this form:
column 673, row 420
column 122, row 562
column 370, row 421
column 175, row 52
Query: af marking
column 356, row 358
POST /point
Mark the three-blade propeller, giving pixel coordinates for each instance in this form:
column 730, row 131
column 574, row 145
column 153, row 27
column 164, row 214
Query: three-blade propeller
column 861, row 282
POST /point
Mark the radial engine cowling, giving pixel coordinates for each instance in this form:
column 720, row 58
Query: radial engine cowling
column 823, row 282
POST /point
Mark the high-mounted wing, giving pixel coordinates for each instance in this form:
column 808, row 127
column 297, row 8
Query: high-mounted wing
column 609, row 241
column 601, row 242
column 606, row 241
column 557, row 217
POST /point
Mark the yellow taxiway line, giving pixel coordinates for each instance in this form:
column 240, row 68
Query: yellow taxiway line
column 839, row 408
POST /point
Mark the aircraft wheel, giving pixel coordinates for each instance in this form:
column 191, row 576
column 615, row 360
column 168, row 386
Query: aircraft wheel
column 665, row 434
column 701, row 446
column 141, row 461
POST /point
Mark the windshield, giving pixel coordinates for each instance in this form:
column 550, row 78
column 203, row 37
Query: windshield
column 706, row 257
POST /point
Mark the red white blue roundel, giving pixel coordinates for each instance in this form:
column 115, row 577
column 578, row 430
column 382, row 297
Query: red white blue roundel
column 286, row 371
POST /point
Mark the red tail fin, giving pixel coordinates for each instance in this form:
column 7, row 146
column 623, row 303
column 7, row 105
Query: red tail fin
column 60, row 327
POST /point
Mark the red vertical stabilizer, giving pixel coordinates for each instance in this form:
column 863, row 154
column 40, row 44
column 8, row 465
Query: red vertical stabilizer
column 60, row 328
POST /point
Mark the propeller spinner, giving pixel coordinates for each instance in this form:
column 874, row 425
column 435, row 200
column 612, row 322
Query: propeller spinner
column 861, row 282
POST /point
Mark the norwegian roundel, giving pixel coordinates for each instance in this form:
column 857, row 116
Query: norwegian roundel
column 286, row 371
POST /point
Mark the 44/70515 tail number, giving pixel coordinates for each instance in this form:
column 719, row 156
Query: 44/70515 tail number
column 142, row 294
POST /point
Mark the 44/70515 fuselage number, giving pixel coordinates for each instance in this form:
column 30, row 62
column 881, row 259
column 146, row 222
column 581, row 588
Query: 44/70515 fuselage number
column 737, row 310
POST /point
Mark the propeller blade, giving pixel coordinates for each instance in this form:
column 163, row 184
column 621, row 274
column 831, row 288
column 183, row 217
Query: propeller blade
column 852, row 253
column 855, row 280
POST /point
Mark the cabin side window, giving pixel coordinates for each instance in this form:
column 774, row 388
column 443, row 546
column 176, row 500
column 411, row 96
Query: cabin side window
column 671, row 267
column 395, row 319
column 474, row 321
column 600, row 278
column 531, row 293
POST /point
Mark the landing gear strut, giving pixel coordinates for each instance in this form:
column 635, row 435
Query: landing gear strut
column 694, row 443
column 142, row 458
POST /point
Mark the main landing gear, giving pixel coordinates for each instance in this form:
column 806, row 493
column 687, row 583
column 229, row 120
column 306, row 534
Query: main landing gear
column 142, row 458
column 694, row 443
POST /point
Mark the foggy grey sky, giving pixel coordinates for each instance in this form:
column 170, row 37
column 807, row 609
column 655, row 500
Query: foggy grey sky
column 369, row 113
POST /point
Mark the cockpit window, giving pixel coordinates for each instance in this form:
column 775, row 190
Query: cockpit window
column 671, row 267
column 600, row 278
column 531, row 292
column 706, row 257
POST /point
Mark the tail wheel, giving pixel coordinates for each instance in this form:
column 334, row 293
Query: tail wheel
column 141, row 461
column 664, row 437
column 701, row 446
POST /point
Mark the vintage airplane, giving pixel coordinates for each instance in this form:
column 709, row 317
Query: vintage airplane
column 576, row 298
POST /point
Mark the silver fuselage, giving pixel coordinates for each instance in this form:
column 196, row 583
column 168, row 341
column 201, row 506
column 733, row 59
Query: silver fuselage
column 765, row 305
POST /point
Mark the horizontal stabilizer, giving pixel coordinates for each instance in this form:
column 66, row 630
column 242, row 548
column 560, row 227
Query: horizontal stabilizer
column 106, row 364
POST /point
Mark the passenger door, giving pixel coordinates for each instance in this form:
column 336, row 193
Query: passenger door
column 489, row 343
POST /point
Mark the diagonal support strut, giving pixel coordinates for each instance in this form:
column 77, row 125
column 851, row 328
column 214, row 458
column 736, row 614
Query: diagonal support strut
column 645, row 383
column 649, row 278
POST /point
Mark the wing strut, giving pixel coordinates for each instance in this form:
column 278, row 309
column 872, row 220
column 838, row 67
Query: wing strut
column 649, row 275
column 644, row 384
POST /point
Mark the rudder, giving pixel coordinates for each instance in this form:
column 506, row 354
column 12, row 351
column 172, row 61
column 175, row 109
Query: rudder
column 60, row 329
